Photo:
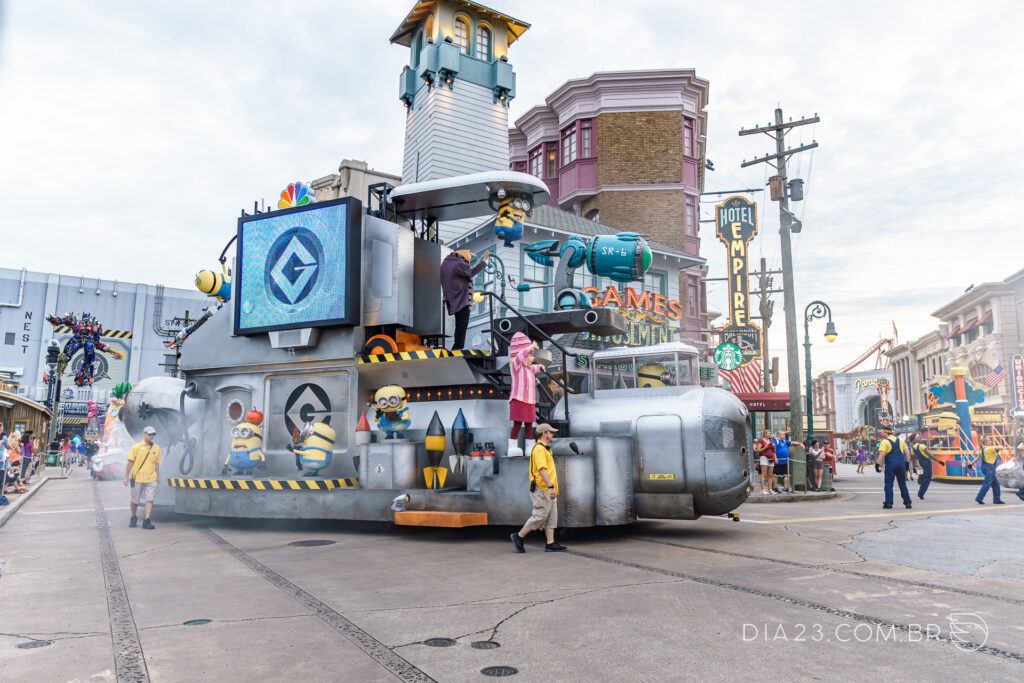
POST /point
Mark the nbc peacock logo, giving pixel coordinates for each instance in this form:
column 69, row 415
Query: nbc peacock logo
column 296, row 194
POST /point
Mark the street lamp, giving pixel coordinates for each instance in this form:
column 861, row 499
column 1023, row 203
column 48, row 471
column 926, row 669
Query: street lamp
column 815, row 309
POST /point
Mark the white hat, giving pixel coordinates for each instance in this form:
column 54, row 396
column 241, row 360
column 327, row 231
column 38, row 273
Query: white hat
column 149, row 430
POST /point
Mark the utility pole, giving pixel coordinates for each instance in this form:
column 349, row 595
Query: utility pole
column 787, row 224
column 766, row 307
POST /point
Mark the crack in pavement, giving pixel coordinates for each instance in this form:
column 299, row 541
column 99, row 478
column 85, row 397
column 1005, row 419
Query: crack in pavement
column 148, row 550
column 55, row 636
column 578, row 591
column 233, row 621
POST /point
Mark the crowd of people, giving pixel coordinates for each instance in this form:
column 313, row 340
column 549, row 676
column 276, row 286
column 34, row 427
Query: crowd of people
column 19, row 460
column 773, row 462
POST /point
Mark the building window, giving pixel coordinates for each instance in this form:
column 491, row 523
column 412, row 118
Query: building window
column 693, row 307
column 655, row 282
column 417, row 47
column 587, row 138
column 533, row 273
column 691, row 216
column 483, row 43
column 972, row 334
column 688, row 137
column 484, row 282
column 535, row 161
column 593, row 215
column 462, row 35
column 569, row 145
column 552, row 159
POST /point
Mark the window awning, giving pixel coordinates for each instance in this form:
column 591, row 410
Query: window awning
column 970, row 325
column 956, row 330
column 987, row 318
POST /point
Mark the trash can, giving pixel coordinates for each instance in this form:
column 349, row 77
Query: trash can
column 797, row 467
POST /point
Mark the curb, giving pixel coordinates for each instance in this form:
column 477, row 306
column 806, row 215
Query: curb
column 8, row 510
column 794, row 497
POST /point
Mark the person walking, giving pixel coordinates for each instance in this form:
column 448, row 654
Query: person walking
column 892, row 452
column 143, row 472
column 989, row 458
column 457, row 286
column 543, row 493
column 862, row 459
column 919, row 452
column 781, row 471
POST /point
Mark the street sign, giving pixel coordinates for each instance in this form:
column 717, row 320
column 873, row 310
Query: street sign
column 728, row 356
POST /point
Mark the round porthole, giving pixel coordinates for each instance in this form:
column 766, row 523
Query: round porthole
column 236, row 411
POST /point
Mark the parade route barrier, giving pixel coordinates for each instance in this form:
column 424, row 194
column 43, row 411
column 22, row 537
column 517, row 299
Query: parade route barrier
column 264, row 484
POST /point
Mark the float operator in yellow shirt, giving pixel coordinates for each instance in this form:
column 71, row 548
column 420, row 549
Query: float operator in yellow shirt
column 543, row 493
column 143, row 472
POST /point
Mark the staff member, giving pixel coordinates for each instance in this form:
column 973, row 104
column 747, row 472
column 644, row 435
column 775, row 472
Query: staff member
column 893, row 452
column 924, row 459
column 543, row 493
column 989, row 457
column 143, row 471
column 457, row 286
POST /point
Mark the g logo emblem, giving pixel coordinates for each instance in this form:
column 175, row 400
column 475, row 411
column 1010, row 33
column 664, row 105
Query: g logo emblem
column 293, row 265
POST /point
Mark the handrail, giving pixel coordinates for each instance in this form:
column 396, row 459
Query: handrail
column 542, row 334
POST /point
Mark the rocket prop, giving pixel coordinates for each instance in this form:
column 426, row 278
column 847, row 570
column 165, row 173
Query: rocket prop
column 435, row 444
column 460, row 443
column 363, row 436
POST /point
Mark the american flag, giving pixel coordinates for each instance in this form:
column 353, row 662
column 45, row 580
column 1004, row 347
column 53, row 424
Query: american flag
column 997, row 375
column 745, row 380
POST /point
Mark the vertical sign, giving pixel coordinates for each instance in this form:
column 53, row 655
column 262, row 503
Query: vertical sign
column 736, row 226
column 1017, row 381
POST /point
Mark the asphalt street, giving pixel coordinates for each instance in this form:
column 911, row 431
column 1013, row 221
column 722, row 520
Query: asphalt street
column 827, row 590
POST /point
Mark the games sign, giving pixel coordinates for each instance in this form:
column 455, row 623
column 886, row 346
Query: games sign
column 649, row 316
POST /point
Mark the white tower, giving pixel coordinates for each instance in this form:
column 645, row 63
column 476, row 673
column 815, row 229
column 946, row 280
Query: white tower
column 456, row 88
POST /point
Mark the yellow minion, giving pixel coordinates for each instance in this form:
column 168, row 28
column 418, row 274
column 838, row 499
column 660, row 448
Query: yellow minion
column 653, row 375
column 214, row 284
column 511, row 216
column 391, row 409
column 246, row 452
column 316, row 449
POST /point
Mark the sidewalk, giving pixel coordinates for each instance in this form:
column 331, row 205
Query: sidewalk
column 847, row 476
column 18, row 499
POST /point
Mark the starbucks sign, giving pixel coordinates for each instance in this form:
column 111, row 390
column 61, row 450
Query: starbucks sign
column 728, row 356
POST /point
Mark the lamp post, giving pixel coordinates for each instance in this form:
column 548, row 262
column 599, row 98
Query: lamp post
column 816, row 309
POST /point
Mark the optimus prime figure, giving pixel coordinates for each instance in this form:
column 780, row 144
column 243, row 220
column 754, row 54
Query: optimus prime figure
column 85, row 336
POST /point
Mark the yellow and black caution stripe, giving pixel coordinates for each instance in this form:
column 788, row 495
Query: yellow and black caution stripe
column 111, row 334
column 264, row 484
column 421, row 355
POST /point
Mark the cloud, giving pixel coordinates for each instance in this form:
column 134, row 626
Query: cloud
column 134, row 133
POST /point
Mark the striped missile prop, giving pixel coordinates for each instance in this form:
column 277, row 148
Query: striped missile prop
column 363, row 437
column 460, row 443
column 435, row 444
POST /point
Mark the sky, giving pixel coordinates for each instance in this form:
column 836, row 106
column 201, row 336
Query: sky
column 131, row 134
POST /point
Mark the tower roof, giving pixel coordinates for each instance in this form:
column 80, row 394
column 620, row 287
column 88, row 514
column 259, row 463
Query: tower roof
column 403, row 34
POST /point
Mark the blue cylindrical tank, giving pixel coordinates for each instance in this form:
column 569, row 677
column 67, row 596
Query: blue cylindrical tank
column 624, row 257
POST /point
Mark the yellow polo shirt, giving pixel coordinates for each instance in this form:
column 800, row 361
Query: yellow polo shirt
column 990, row 454
column 143, row 460
column 540, row 458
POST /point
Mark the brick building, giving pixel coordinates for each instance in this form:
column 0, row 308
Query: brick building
column 625, row 148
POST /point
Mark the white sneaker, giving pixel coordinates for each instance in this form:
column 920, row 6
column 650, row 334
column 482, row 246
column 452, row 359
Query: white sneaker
column 514, row 451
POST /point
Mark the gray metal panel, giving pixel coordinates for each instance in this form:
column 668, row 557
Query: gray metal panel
column 388, row 297
column 389, row 465
column 613, row 465
column 427, row 306
column 665, row 506
column 294, row 398
column 576, row 490
column 659, row 440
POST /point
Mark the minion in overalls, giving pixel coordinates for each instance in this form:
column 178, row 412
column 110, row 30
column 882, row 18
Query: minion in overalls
column 313, row 447
column 391, row 410
column 246, row 452
column 508, row 226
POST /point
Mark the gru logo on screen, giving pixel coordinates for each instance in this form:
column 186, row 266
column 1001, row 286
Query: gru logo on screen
column 293, row 265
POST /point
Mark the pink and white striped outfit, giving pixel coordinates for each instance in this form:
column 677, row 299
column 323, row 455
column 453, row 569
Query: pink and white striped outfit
column 524, row 386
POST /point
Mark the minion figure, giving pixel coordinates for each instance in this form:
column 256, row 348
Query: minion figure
column 313, row 447
column 246, row 452
column 391, row 410
column 214, row 284
column 509, row 223
column 653, row 375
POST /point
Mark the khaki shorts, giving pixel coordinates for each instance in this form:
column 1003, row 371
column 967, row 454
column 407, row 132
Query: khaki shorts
column 545, row 511
column 147, row 489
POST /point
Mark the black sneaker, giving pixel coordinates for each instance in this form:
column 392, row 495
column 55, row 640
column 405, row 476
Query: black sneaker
column 1020, row 494
column 554, row 548
column 979, row 502
column 517, row 542
column 887, row 506
column 907, row 505
column 133, row 522
column 998, row 502
column 146, row 524
column 920, row 496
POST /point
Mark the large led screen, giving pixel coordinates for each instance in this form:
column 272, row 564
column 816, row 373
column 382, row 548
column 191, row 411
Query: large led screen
column 299, row 267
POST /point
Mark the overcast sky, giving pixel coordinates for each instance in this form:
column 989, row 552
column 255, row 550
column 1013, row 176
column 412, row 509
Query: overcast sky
column 133, row 133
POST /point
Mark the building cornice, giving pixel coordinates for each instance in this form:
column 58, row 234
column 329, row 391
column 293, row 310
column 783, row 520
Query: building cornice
column 977, row 295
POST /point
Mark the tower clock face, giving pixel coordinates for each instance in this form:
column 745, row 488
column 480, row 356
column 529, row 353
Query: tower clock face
column 728, row 356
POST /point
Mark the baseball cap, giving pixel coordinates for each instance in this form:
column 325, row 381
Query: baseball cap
column 544, row 427
column 149, row 430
